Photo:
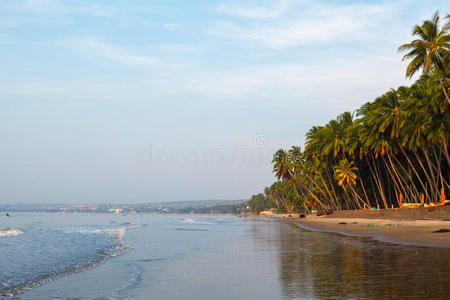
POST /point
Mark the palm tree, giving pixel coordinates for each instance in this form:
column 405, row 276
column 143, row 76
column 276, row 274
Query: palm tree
column 388, row 113
column 295, row 156
column 345, row 173
column 431, row 49
column 281, row 165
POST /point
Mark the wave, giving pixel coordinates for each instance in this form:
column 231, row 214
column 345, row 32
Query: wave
column 118, row 248
column 135, row 277
column 191, row 229
column 10, row 232
column 191, row 221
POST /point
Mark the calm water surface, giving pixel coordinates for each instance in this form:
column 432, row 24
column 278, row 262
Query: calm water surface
column 209, row 257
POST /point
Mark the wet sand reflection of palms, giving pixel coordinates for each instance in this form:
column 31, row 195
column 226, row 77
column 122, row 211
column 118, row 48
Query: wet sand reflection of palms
column 331, row 266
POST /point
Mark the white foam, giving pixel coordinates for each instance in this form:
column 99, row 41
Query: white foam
column 10, row 232
column 119, row 231
column 191, row 221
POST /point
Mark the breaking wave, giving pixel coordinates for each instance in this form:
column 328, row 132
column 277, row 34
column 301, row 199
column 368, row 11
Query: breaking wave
column 42, row 254
column 10, row 232
column 192, row 221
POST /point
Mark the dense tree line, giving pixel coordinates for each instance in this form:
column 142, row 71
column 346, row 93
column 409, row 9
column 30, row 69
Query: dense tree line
column 392, row 150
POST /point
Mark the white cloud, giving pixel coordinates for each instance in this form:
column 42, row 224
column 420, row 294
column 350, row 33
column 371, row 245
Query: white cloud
column 64, row 7
column 302, row 25
column 255, row 12
column 344, row 86
column 171, row 26
column 96, row 10
column 44, row 6
column 93, row 46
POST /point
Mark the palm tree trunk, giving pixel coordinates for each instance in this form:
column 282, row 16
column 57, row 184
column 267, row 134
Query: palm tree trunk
column 444, row 145
column 401, row 180
column 413, row 187
column 438, row 168
column 377, row 181
column 315, row 197
column 414, row 170
column 364, row 190
column 432, row 190
column 328, row 191
column 441, row 82
column 432, row 168
column 398, row 189
column 327, row 171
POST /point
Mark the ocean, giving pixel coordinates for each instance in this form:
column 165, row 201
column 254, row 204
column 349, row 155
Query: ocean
column 109, row 256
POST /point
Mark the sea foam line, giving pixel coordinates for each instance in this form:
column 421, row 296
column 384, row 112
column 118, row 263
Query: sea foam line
column 120, row 249
column 10, row 232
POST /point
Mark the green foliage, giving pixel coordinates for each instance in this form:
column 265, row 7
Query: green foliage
column 256, row 204
column 396, row 148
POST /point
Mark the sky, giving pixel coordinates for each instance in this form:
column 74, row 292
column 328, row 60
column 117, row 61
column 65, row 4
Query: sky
column 148, row 101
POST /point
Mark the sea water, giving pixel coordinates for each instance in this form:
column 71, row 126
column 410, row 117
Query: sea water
column 38, row 248
column 106, row 256
column 35, row 252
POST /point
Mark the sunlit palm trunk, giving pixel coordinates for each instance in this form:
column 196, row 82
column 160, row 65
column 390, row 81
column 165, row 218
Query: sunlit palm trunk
column 441, row 82
column 415, row 172
column 378, row 181
column 413, row 188
column 425, row 172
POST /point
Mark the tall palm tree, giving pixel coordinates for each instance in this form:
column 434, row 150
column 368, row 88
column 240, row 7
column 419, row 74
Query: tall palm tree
column 431, row 49
column 388, row 113
column 295, row 156
column 281, row 165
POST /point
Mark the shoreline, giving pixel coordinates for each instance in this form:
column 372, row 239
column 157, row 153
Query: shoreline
column 404, row 231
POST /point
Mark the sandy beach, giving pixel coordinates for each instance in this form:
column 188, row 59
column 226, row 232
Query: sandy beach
column 401, row 226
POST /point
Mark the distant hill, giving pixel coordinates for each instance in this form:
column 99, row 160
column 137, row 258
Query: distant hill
column 201, row 206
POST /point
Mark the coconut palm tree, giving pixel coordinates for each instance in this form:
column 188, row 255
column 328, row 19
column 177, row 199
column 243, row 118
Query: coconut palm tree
column 396, row 148
column 430, row 50
column 282, row 166
column 345, row 173
column 388, row 114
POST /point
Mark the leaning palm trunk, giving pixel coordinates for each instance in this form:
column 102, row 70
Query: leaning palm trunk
column 429, row 180
column 444, row 146
column 359, row 198
column 432, row 170
column 364, row 190
column 332, row 185
column 333, row 200
column 413, row 187
column 438, row 167
column 320, row 189
column 438, row 72
column 401, row 181
column 415, row 171
column 376, row 176
column 398, row 190
column 315, row 197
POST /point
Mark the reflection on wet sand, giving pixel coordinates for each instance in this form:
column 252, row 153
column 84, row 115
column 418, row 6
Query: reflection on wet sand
column 332, row 266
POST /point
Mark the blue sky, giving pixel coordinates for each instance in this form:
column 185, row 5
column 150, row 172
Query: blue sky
column 146, row 101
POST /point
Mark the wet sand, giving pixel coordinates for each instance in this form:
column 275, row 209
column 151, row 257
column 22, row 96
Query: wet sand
column 408, row 226
column 407, row 232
